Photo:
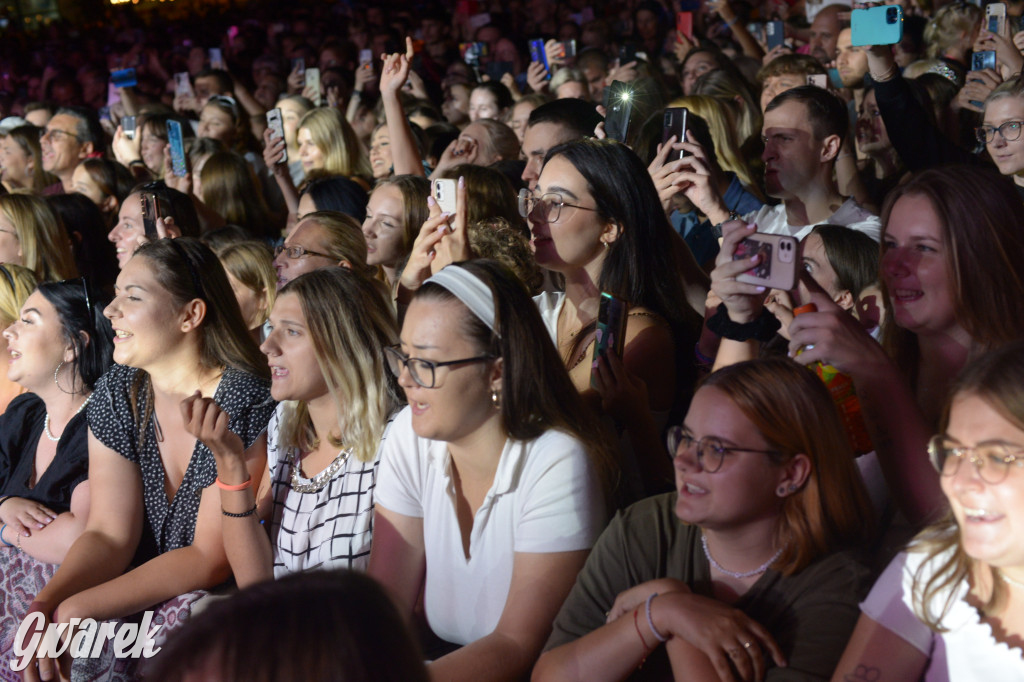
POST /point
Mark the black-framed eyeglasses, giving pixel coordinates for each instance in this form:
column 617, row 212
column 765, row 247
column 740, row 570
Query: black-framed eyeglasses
column 711, row 451
column 56, row 133
column 1009, row 131
column 992, row 460
column 548, row 205
column 296, row 252
column 423, row 372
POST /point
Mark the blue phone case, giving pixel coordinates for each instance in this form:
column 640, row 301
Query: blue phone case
column 876, row 25
column 123, row 78
column 177, row 143
column 539, row 54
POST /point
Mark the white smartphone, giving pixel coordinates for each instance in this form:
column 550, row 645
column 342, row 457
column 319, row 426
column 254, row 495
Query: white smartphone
column 313, row 81
column 818, row 80
column 276, row 125
column 182, row 84
column 216, row 58
column 995, row 18
column 777, row 267
column 443, row 192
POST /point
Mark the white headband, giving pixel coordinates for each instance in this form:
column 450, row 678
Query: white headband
column 469, row 289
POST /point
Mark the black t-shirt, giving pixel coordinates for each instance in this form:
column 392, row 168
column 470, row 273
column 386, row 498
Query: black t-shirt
column 21, row 427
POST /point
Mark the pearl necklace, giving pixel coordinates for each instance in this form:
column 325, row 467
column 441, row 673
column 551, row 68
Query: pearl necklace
column 1007, row 579
column 46, row 422
column 748, row 574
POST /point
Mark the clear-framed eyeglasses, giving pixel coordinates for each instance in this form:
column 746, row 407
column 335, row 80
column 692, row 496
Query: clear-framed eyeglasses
column 992, row 460
column 548, row 206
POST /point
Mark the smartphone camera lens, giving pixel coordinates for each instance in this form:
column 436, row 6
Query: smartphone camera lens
column 891, row 15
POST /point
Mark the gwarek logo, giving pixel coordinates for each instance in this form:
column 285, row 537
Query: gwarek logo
column 130, row 640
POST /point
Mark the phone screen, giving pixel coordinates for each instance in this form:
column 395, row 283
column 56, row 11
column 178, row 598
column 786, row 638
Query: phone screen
column 177, row 144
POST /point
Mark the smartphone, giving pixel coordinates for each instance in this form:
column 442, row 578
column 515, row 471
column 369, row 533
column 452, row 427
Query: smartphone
column 818, row 80
column 443, row 192
column 611, row 328
column 182, row 84
column 128, row 126
column 618, row 107
column 882, row 25
column 496, row 70
column 539, row 54
column 995, row 18
column 472, row 53
column 777, row 268
column 567, row 49
column 774, row 33
column 123, row 78
column 985, row 59
column 684, row 24
column 150, row 212
column 299, row 66
column 177, row 144
column 365, row 57
column 276, row 125
column 216, row 58
column 675, row 124
column 627, row 54
column 313, row 82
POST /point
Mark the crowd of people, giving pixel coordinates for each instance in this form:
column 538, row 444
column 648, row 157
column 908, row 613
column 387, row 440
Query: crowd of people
column 346, row 338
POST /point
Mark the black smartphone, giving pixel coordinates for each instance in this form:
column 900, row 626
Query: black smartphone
column 611, row 327
column 497, row 70
column 675, row 124
column 150, row 213
column 627, row 54
column 774, row 33
column 986, row 59
column 618, row 108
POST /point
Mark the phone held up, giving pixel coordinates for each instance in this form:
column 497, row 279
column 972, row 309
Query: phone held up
column 177, row 144
column 611, row 328
column 151, row 211
column 443, row 191
column 675, row 125
column 777, row 266
column 618, row 107
column 882, row 25
column 276, row 125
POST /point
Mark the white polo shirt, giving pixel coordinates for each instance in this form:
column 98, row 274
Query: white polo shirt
column 545, row 498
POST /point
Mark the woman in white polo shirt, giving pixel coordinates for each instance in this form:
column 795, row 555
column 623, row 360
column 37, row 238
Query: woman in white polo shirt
column 490, row 492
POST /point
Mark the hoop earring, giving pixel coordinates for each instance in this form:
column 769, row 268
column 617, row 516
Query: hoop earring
column 57, row 383
column 496, row 400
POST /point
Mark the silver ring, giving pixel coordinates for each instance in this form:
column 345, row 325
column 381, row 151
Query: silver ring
column 746, row 645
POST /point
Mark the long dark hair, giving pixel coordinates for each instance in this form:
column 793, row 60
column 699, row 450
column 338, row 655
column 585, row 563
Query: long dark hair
column 80, row 309
column 536, row 392
column 640, row 265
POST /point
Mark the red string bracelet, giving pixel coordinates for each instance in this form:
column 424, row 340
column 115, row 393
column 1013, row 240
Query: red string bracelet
column 636, row 624
column 241, row 486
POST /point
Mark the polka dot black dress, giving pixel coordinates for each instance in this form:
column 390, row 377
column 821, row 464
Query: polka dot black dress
column 170, row 524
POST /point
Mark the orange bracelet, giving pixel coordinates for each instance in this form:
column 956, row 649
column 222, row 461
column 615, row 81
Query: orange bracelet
column 647, row 649
column 241, row 486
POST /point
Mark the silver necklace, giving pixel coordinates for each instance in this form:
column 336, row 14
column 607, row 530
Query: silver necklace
column 317, row 483
column 46, row 422
column 757, row 571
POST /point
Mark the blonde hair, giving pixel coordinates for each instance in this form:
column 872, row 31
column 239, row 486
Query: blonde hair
column 723, row 134
column 343, row 239
column 947, row 27
column 16, row 284
column 350, row 322
column 252, row 264
column 335, row 138
column 45, row 246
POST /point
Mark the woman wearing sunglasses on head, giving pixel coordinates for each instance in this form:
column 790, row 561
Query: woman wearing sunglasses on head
column 739, row 569
column 951, row 607
column 490, row 490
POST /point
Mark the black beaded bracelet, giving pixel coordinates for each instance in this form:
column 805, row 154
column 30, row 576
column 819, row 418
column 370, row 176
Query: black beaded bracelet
column 238, row 516
column 762, row 329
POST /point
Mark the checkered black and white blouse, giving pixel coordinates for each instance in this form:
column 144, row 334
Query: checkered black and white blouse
column 329, row 528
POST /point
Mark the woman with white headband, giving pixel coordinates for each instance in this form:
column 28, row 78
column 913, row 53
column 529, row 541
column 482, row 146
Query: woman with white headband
column 490, row 492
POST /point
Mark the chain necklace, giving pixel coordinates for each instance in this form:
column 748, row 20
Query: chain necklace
column 317, row 483
column 748, row 574
column 46, row 422
column 1011, row 581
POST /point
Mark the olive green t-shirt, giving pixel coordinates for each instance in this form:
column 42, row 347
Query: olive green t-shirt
column 811, row 614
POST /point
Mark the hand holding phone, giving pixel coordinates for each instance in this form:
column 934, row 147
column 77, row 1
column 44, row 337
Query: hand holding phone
column 675, row 125
column 275, row 123
column 443, row 191
column 150, row 214
column 618, row 107
column 882, row 25
column 776, row 267
column 176, row 141
column 612, row 316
